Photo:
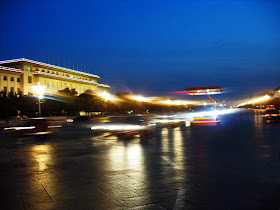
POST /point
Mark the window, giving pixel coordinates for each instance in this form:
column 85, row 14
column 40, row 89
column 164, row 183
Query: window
column 12, row 79
column 5, row 89
column 18, row 91
column 43, row 70
column 5, row 78
column 12, row 89
column 18, row 79
column 29, row 79
column 29, row 69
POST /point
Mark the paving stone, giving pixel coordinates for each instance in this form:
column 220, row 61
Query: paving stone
column 11, row 202
column 36, row 197
column 219, row 168
column 136, row 201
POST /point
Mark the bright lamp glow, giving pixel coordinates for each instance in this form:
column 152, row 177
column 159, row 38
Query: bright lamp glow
column 255, row 100
column 106, row 95
column 139, row 98
column 176, row 102
column 39, row 89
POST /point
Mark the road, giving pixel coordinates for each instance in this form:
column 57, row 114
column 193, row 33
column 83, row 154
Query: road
column 234, row 165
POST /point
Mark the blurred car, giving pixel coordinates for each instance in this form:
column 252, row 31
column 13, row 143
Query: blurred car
column 126, row 126
column 78, row 119
column 34, row 126
column 169, row 121
column 271, row 115
column 205, row 121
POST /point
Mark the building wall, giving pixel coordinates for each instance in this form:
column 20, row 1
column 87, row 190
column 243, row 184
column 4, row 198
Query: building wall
column 27, row 85
column 8, row 84
column 29, row 79
column 54, row 85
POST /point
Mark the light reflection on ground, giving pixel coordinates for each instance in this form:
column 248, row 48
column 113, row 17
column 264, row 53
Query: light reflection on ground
column 197, row 167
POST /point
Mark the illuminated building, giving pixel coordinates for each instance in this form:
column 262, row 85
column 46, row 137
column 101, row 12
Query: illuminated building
column 19, row 75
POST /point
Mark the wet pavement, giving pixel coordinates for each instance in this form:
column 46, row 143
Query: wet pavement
column 233, row 166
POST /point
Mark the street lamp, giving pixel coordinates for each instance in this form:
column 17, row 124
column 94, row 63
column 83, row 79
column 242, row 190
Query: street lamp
column 107, row 97
column 39, row 90
column 139, row 98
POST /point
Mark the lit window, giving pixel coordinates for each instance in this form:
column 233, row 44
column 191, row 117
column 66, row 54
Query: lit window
column 29, row 69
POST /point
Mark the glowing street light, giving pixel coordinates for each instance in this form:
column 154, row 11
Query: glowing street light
column 39, row 90
column 106, row 96
column 176, row 102
column 139, row 98
column 263, row 98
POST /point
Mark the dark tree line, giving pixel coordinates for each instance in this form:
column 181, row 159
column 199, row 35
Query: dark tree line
column 68, row 102
column 13, row 105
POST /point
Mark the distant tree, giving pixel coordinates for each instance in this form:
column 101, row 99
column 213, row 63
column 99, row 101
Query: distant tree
column 68, row 102
column 28, row 105
column 68, row 92
column 276, row 89
column 266, row 93
column 90, row 102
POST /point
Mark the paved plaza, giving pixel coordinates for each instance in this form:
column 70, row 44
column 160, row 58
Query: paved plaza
column 233, row 166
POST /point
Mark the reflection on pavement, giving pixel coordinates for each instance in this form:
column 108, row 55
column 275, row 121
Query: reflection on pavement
column 235, row 164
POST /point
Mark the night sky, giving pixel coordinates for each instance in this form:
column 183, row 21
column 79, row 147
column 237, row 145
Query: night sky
column 151, row 47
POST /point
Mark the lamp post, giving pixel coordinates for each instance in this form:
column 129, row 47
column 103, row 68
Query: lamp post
column 205, row 105
column 39, row 90
column 106, row 96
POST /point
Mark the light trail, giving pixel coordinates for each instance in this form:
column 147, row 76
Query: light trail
column 263, row 98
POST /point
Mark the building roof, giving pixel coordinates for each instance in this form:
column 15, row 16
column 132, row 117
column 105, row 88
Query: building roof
column 63, row 77
column 4, row 68
column 102, row 85
column 47, row 65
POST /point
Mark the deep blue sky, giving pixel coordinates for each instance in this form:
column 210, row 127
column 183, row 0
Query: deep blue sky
column 151, row 47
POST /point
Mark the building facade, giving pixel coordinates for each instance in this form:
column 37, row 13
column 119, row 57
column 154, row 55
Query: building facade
column 19, row 75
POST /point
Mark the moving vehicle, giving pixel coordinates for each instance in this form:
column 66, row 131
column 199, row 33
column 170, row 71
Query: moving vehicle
column 34, row 126
column 78, row 119
column 271, row 115
column 126, row 126
column 205, row 121
column 169, row 121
